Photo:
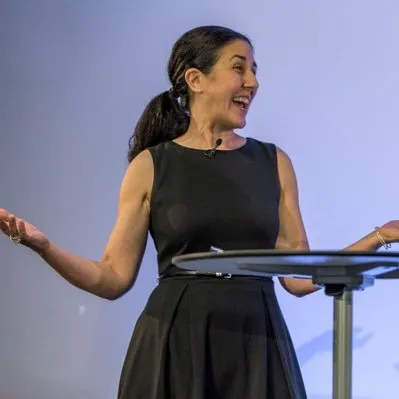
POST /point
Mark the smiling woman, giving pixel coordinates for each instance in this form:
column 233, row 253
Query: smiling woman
column 191, row 323
column 213, row 75
column 194, row 184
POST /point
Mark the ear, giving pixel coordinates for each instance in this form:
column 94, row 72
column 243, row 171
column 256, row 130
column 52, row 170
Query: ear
column 194, row 79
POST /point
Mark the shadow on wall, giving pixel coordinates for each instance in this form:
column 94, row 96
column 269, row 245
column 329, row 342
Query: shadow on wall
column 324, row 343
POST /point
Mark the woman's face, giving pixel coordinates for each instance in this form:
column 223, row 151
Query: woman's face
column 228, row 90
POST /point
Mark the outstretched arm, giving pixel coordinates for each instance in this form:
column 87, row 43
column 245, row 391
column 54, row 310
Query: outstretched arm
column 114, row 274
column 292, row 234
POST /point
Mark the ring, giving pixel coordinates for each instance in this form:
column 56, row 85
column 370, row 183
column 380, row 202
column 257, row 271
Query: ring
column 15, row 239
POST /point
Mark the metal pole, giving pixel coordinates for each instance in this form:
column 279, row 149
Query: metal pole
column 342, row 346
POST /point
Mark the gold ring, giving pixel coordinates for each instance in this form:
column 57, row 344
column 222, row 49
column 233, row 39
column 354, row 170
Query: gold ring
column 15, row 239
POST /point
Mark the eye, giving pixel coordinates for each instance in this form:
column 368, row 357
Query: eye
column 238, row 68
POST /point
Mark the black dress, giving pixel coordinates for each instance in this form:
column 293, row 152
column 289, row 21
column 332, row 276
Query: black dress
column 204, row 337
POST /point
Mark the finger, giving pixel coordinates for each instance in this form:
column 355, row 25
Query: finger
column 21, row 229
column 12, row 226
column 4, row 227
column 4, row 214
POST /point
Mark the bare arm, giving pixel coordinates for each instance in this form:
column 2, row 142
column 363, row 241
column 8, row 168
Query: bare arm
column 292, row 233
column 115, row 273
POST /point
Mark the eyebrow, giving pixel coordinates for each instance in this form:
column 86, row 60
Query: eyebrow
column 242, row 57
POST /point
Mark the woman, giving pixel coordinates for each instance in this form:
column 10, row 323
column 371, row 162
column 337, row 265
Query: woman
column 193, row 183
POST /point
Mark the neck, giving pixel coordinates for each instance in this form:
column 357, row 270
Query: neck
column 205, row 136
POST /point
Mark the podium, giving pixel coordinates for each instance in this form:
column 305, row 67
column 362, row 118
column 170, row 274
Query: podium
column 339, row 273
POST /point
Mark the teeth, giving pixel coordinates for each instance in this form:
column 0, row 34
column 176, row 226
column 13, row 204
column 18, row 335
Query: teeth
column 244, row 100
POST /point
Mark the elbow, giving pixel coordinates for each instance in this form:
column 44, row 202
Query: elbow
column 112, row 285
column 112, row 298
column 298, row 287
column 299, row 293
column 113, row 293
column 118, row 291
column 110, row 295
column 296, row 291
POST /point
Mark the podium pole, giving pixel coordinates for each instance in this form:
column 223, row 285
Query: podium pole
column 342, row 345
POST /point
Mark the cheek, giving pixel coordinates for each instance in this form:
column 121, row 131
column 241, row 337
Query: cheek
column 220, row 93
column 220, row 100
column 226, row 85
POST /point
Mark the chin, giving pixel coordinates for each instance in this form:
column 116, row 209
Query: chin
column 240, row 124
column 236, row 123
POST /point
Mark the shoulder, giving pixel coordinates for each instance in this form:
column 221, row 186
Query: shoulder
column 283, row 158
column 157, row 150
column 142, row 163
column 266, row 146
column 139, row 175
column 266, row 149
column 285, row 169
column 271, row 148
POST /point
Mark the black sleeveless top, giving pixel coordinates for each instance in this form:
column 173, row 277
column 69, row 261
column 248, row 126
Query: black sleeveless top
column 229, row 202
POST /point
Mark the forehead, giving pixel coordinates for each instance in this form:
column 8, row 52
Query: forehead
column 239, row 48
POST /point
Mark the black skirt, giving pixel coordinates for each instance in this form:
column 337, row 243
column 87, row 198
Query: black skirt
column 209, row 338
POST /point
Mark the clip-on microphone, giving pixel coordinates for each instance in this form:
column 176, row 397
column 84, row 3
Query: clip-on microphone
column 212, row 152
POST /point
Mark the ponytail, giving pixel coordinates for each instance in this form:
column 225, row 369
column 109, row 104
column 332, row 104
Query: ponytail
column 163, row 119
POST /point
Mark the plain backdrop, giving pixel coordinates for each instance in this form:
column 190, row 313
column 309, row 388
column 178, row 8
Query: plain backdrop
column 74, row 78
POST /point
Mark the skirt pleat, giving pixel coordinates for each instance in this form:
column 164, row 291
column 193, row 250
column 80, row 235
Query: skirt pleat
column 208, row 338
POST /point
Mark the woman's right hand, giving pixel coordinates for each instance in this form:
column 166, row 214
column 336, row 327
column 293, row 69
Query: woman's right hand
column 29, row 235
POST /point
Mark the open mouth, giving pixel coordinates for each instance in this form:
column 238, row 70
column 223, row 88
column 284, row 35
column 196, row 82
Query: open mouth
column 242, row 102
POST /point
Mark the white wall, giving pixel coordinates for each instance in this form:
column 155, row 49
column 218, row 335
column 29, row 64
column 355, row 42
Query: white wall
column 75, row 76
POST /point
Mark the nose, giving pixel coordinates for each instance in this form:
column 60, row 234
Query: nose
column 251, row 82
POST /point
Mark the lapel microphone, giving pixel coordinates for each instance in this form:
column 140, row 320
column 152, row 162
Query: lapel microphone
column 212, row 152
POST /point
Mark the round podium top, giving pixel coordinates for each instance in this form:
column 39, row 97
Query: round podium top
column 289, row 263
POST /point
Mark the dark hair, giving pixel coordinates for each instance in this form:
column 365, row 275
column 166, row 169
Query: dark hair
column 167, row 115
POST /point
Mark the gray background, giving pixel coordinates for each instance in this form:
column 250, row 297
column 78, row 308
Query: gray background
column 74, row 78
